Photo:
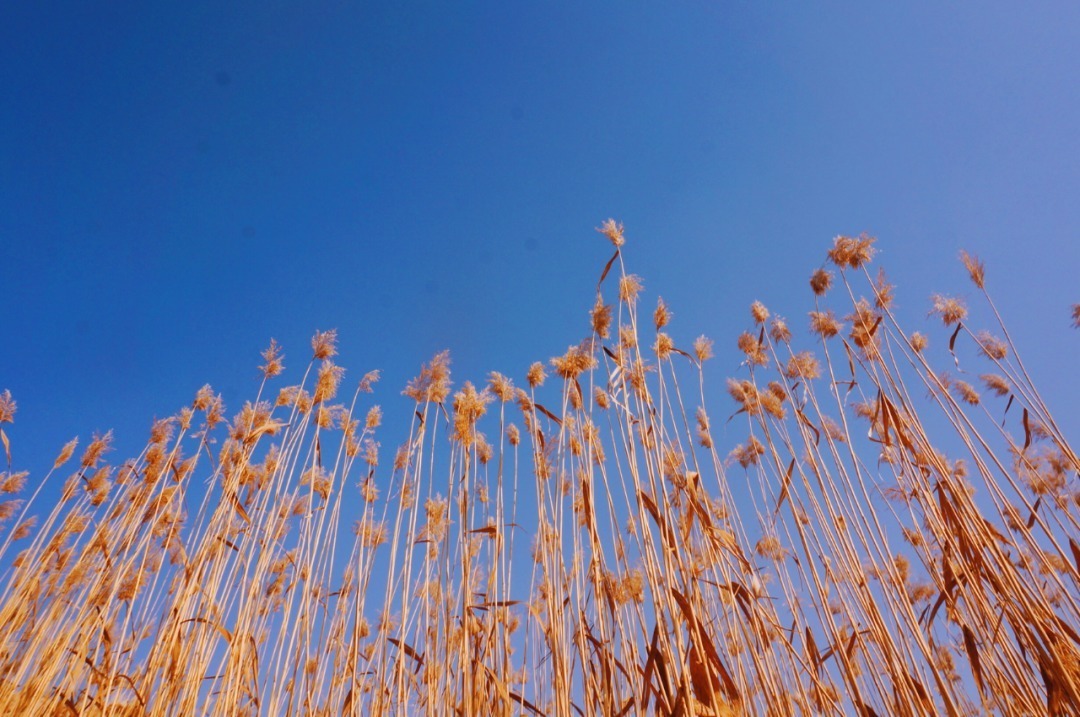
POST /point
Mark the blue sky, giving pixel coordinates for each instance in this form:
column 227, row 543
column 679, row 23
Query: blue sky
column 181, row 182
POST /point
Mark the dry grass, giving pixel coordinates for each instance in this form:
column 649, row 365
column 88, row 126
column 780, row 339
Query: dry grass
column 836, row 561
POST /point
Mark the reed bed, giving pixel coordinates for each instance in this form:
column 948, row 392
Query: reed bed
column 889, row 536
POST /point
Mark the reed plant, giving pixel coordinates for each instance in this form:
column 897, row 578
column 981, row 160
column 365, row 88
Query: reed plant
column 889, row 535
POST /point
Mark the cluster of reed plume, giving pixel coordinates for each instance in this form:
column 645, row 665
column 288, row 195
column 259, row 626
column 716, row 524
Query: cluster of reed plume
column 887, row 538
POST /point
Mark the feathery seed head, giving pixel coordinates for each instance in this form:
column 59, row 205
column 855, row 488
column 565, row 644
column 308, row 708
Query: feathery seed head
column 203, row 398
column 779, row 331
column 371, row 452
column 998, row 384
column 574, row 362
column 97, row 447
column 821, row 281
column 833, row 430
column 433, row 383
column 663, row 346
column 318, row 479
column 965, row 392
column 13, row 482
column 749, row 454
column 852, row 252
column 843, row 248
column 484, row 453
column 803, row 366
column 371, row 534
column 772, row 401
column 98, row 485
column 469, row 406
column 370, row 379
column 864, row 325
column 770, row 548
column 883, row 291
column 211, row 404
column 437, row 513
column 601, row 318
column 918, row 342
column 501, row 386
column 777, row 389
column 161, row 430
column 326, row 387
column 703, row 348
column 23, row 529
column 975, row 268
column 746, row 395
column 864, row 251
column 629, row 287
column 66, row 452
column 662, row 315
column 637, row 372
column 274, row 360
column 672, row 462
column 755, row 352
column 991, row 346
column 703, row 432
column 759, row 312
column 536, row 375
column 401, row 457
column 613, row 231
column 824, row 324
column 294, row 396
column 950, row 309
column 7, row 407
column 324, row 344
column 630, row 588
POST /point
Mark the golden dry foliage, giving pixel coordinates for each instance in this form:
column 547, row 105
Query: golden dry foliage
column 584, row 546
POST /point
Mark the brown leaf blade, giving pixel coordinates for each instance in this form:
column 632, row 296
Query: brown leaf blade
column 607, row 268
column 973, row 656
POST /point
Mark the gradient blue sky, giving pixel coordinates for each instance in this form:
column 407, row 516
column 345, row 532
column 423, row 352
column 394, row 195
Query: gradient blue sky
column 179, row 182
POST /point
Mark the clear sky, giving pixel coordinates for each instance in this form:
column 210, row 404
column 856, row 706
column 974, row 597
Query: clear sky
column 180, row 182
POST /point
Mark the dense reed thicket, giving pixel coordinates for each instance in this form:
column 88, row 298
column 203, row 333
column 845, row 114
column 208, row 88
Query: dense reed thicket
column 886, row 538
